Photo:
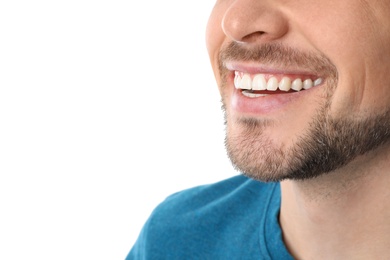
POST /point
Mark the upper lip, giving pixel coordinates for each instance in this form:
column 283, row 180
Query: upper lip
column 256, row 68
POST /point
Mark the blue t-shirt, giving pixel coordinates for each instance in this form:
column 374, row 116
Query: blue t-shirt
column 232, row 219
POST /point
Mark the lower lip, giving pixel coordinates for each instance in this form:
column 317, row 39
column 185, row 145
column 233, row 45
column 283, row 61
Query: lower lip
column 258, row 105
column 265, row 105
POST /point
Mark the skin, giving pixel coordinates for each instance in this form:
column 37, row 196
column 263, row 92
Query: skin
column 336, row 213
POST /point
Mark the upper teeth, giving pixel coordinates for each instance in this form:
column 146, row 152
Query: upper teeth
column 259, row 82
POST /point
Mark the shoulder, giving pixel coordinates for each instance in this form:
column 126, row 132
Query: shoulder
column 203, row 219
column 221, row 194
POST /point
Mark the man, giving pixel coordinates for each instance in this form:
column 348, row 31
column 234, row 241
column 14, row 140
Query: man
column 305, row 86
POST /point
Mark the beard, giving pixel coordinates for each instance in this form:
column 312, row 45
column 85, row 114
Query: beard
column 329, row 142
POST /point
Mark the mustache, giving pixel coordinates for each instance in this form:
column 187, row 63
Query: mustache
column 277, row 54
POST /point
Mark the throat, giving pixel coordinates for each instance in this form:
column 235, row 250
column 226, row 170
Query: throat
column 350, row 224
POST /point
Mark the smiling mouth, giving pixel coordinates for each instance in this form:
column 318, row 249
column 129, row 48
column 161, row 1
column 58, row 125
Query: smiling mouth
column 258, row 85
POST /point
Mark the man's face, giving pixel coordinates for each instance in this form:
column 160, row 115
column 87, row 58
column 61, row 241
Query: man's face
column 305, row 84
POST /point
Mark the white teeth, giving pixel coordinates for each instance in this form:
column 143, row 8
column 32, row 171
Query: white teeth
column 246, row 82
column 272, row 84
column 237, row 81
column 318, row 82
column 285, row 84
column 259, row 82
column 297, row 85
column 252, row 95
column 308, row 83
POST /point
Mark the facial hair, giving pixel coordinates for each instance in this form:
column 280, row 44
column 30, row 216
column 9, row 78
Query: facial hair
column 329, row 142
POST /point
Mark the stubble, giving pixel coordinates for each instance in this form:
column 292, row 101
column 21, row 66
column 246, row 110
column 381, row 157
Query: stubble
column 327, row 144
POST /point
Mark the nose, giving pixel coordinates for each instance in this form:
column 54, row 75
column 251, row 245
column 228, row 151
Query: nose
column 254, row 21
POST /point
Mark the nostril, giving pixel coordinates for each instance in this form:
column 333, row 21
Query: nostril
column 254, row 36
column 258, row 22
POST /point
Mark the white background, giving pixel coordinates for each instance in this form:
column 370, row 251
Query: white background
column 106, row 108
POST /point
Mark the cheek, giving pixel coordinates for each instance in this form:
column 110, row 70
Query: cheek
column 215, row 39
column 214, row 31
column 364, row 78
column 359, row 46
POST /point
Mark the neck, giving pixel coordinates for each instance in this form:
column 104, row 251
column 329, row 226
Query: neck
column 340, row 215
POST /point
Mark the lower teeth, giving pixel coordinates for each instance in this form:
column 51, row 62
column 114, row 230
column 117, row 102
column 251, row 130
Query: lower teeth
column 252, row 95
